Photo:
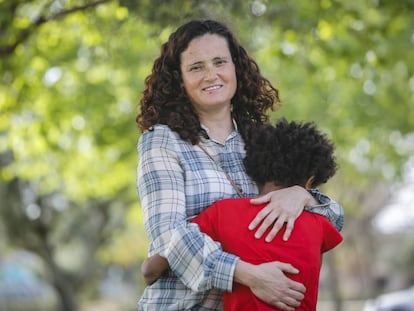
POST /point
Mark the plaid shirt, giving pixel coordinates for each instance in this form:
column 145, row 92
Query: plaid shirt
column 176, row 181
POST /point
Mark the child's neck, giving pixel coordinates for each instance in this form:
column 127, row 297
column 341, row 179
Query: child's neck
column 269, row 187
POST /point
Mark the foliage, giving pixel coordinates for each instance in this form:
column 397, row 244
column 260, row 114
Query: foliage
column 71, row 76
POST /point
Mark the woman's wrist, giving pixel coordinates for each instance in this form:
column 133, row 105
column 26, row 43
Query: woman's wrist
column 309, row 200
column 243, row 273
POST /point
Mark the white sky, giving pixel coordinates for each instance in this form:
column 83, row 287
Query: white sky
column 399, row 214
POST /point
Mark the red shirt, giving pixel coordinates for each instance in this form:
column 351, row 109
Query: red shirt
column 227, row 221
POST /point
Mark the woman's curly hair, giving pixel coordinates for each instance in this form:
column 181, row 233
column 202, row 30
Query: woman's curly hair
column 288, row 154
column 165, row 100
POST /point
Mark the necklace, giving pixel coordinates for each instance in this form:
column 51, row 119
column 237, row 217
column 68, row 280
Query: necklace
column 232, row 182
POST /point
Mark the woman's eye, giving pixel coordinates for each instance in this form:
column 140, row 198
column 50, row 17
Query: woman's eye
column 220, row 62
column 195, row 68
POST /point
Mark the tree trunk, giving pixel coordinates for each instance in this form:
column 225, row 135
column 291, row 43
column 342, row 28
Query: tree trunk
column 329, row 260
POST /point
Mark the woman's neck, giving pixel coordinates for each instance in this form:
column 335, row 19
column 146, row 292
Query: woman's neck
column 219, row 127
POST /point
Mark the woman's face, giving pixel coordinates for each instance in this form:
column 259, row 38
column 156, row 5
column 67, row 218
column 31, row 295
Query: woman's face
column 208, row 73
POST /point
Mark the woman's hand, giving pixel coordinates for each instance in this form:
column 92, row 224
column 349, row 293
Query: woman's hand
column 285, row 205
column 269, row 283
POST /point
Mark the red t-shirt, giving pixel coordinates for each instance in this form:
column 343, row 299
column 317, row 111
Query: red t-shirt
column 227, row 221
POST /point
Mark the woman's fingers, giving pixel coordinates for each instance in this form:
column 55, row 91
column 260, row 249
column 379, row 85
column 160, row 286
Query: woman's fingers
column 278, row 224
column 259, row 218
column 283, row 306
column 284, row 206
column 273, row 286
column 265, row 219
column 288, row 303
column 297, row 291
column 289, row 228
column 268, row 218
column 262, row 199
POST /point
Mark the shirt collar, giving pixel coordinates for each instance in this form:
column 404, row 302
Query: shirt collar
column 234, row 124
column 232, row 134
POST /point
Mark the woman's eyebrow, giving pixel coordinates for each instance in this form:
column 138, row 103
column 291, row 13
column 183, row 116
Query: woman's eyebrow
column 214, row 59
column 195, row 63
column 221, row 57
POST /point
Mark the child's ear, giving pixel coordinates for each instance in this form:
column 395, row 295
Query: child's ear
column 309, row 182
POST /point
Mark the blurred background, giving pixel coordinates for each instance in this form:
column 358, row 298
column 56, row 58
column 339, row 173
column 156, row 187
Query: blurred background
column 72, row 73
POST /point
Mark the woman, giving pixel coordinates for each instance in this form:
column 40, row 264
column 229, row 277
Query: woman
column 202, row 99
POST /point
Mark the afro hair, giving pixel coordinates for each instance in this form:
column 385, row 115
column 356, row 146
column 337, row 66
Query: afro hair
column 288, row 154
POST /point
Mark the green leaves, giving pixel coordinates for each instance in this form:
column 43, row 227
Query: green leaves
column 70, row 89
column 72, row 75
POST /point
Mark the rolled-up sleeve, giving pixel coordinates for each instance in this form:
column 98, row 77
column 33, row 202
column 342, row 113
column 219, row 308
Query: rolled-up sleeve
column 328, row 208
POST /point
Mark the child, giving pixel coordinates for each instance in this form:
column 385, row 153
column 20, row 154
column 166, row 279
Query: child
column 290, row 153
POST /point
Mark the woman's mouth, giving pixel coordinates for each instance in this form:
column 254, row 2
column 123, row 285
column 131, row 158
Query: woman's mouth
column 212, row 88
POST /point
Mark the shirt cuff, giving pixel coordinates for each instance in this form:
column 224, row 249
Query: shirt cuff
column 224, row 271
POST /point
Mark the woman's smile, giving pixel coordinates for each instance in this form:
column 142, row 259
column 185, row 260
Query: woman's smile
column 208, row 73
column 212, row 88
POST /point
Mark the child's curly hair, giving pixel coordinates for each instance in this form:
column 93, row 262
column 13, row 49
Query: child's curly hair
column 288, row 154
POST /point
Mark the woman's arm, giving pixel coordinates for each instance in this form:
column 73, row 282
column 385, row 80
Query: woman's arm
column 267, row 281
column 196, row 259
column 287, row 204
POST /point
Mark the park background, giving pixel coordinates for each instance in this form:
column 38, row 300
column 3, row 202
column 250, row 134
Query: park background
column 72, row 73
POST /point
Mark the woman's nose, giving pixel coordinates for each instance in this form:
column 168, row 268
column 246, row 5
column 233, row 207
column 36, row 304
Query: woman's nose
column 210, row 74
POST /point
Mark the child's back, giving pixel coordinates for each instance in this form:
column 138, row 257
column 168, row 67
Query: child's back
column 227, row 221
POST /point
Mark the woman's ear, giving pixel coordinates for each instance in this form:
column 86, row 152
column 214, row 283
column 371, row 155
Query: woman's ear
column 309, row 182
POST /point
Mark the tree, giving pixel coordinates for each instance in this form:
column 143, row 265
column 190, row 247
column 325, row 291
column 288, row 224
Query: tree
column 71, row 76
column 66, row 132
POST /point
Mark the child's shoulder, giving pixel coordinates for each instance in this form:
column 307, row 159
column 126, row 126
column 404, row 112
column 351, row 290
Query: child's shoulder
column 227, row 201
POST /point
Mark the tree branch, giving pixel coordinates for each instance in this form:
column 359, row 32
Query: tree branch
column 8, row 50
